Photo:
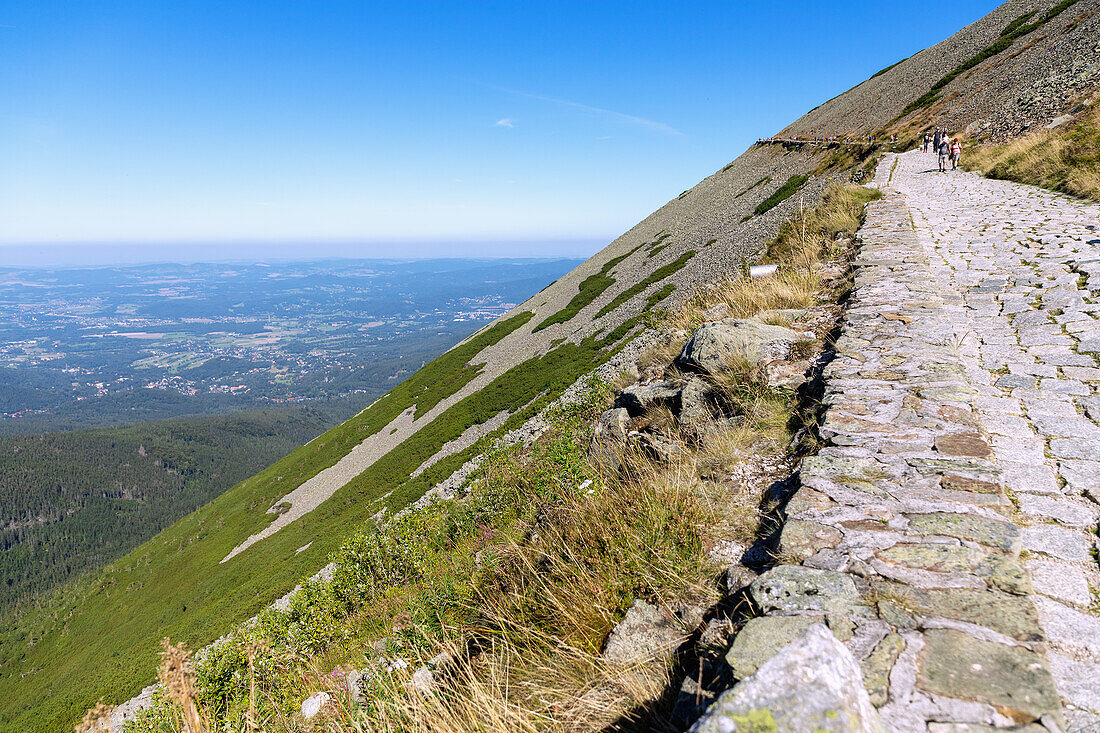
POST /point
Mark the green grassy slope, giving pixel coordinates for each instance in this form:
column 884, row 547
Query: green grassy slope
column 81, row 499
column 100, row 636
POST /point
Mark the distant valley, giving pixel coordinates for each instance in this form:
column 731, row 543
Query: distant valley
column 131, row 396
column 108, row 346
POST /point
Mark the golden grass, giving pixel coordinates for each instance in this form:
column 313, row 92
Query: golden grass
column 97, row 719
column 177, row 676
column 1065, row 159
column 543, row 685
column 801, row 243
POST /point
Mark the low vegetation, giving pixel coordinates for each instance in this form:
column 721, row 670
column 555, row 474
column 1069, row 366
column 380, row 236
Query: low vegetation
column 657, row 245
column 762, row 182
column 512, row 589
column 780, row 195
column 1065, row 159
column 590, row 289
column 655, row 277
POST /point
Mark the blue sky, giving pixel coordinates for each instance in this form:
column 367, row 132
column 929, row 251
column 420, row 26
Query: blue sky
column 521, row 128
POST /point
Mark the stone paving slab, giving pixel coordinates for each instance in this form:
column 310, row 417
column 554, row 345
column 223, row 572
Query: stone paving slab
column 954, row 498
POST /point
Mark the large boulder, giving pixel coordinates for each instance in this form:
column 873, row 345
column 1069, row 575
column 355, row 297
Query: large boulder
column 760, row 640
column 702, row 408
column 719, row 346
column 812, row 684
column 639, row 398
column 609, row 437
column 648, row 632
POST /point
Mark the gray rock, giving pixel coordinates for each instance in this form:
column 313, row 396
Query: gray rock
column 1076, row 680
column 423, row 681
column 1012, row 381
column 1058, row 121
column 792, row 588
column 1060, row 580
column 737, row 577
column 717, row 347
column 761, row 638
column 1064, row 544
column 876, row 667
column 788, row 374
column 313, row 704
column 1091, row 406
column 646, row 632
column 699, row 408
column 801, row 539
column 1013, row 679
column 716, row 313
column 812, row 684
column 639, row 398
column 609, row 437
column 661, row 451
column 1081, row 475
column 1090, row 344
column 1063, row 511
column 1068, row 628
column 1075, row 448
column 992, row 533
column 356, row 680
column 124, row 713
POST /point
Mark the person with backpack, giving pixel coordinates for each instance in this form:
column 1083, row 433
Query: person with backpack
column 942, row 151
column 936, row 140
column 956, row 153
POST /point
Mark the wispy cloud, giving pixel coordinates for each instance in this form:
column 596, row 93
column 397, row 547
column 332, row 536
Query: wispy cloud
column 620, row 116
column 506, row 122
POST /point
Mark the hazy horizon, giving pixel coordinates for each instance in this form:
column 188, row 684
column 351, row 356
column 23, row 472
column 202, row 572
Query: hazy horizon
column 93, row 254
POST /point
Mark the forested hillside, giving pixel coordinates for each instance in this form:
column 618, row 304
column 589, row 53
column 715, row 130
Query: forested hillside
column 70, row 502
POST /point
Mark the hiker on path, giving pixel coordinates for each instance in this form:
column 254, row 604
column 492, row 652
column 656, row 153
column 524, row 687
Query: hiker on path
column 937, row 140
column 927, row 139
column 956, row 153
column 943, row 150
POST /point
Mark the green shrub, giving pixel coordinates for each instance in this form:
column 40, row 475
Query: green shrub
column 590, row 289
column 781, row 194
column 656, row 276
column 762, row 182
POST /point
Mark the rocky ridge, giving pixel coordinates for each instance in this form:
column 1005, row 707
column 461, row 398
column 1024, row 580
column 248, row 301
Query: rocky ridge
column 1038, row 78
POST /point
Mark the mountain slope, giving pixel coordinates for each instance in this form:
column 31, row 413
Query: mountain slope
column 73, row 501
column 99, row 639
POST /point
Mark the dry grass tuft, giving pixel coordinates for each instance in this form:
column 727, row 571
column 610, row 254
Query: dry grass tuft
column 1065, row 159
column 543, row 685
column 801, row 243
column 176, row 675
column 97, row 719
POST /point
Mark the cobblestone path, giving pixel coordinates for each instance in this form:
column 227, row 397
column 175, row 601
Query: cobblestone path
column 947, row 530
column 1026, row 264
